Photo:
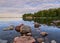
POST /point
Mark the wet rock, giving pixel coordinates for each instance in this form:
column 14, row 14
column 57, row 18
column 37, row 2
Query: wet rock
column 36, row 25
column 53, row 41
column 40, row 40
column 44, row 34
column 11, row 27
column 17, row 28
column 23, row 29
column 24, row 39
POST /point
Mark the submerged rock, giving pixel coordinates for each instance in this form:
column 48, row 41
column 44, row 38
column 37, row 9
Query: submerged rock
column 3, row 41
column 11, row 27
column 53, row 41
column 40, row 40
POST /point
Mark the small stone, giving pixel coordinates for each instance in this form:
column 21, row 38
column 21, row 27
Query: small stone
column 53, row 41
column 44, row 34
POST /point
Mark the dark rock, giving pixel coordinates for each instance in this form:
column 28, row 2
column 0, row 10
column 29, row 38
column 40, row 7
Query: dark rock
column 17, row 28
column 36, row 25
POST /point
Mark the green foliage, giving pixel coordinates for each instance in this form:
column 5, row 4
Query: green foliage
column 26, row 15
column 44, row 16
column 45, row 13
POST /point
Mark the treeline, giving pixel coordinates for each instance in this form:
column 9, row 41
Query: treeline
column 52, row 13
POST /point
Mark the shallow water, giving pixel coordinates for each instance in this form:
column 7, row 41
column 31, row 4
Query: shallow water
column 54, row 32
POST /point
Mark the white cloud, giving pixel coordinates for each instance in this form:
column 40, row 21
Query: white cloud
column 26, row 6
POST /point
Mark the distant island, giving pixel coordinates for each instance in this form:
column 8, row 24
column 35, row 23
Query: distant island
column 50, row 13
column 44, row 16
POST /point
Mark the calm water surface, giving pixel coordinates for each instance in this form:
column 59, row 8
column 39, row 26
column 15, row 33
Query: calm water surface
column 54, row 32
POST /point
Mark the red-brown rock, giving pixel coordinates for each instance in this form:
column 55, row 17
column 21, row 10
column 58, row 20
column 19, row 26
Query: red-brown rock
column 17, row 28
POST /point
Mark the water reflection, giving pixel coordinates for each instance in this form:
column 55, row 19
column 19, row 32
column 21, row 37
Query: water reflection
column 47, row 21
column 53, row 31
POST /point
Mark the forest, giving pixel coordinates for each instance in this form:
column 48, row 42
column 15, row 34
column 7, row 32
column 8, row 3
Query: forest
column 50, row 13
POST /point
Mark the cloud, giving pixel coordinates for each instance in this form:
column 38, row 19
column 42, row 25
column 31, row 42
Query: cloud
column 21, row 3
column 27, row 6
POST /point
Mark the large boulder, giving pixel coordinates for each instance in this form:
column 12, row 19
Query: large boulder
column 23, row 29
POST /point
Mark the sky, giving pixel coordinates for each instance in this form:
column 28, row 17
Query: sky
column 20, row 7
